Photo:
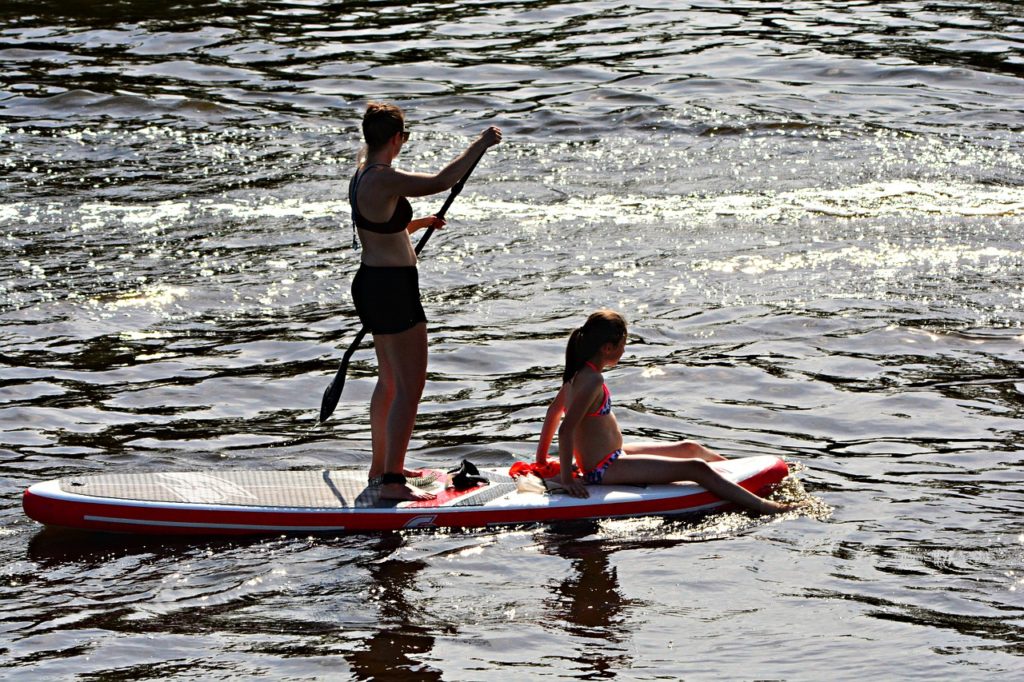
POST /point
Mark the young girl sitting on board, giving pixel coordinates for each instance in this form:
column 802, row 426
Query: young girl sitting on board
column 582, row 415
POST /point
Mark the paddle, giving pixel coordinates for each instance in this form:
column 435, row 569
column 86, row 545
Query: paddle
column 333, row 393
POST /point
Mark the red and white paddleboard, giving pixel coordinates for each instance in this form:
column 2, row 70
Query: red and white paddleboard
column 260, row 502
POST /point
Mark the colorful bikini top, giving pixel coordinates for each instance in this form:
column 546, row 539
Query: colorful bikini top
column 606, row 404
column 399, row 220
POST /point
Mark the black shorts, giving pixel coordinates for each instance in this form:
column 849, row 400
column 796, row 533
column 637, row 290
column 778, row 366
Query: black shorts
column 388, row 299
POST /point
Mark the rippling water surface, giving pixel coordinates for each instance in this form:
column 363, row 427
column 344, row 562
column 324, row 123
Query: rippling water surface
column 810, row 213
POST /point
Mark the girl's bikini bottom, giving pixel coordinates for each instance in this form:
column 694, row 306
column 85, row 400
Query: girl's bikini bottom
column 596, row 475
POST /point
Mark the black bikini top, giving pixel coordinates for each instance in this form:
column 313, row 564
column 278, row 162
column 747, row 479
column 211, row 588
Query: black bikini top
column 399, row 220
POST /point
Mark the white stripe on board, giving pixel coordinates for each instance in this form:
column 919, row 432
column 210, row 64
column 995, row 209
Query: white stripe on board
column 184, row 524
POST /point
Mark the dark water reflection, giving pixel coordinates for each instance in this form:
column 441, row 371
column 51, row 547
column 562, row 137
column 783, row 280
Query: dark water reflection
column 571, row 64
column 810, row 214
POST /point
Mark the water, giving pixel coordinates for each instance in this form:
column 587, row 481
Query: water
column 810, row 213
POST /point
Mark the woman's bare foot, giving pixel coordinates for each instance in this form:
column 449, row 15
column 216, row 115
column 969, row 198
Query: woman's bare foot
column 402, row 491
column 421, row 476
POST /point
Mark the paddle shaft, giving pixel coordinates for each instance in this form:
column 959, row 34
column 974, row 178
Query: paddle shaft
column 333, row 392
column 456, row 190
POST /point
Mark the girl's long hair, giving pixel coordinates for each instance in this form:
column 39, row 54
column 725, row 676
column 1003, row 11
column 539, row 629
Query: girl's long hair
column 604, row 326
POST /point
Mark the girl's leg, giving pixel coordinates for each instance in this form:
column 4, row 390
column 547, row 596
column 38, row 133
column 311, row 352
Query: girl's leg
column 634, row 469
column 686, row 449
column 403, row 358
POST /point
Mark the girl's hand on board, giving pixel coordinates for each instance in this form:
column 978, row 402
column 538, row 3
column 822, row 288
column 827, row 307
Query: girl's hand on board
column 575, row 487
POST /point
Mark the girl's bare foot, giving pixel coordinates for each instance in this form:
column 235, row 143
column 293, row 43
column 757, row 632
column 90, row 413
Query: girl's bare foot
column 773, row 507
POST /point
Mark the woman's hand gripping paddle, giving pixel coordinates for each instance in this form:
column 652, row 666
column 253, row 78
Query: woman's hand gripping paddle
column 333, row 393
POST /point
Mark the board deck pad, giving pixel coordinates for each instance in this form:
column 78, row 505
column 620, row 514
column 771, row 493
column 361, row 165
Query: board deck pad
column 239, row 501
column 341, row 489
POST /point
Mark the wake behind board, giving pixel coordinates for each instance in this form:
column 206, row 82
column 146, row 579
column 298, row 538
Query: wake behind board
column 260, row 502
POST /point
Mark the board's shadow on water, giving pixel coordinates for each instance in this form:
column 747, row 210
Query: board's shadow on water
column 52, row 545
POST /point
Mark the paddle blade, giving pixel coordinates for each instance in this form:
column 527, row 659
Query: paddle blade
column 331, row 396
column 333, row 393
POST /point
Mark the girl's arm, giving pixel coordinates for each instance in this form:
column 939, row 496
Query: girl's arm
column 551, row 421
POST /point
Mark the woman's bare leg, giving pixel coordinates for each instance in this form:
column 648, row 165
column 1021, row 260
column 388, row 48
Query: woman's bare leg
column 402, row 361
column 633, row 469
column 380, row 407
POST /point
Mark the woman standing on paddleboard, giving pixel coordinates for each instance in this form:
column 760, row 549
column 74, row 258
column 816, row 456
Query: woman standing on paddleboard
column 589, row 433
column 386, row 287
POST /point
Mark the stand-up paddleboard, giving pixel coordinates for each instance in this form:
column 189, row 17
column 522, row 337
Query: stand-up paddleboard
column 254, row 502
